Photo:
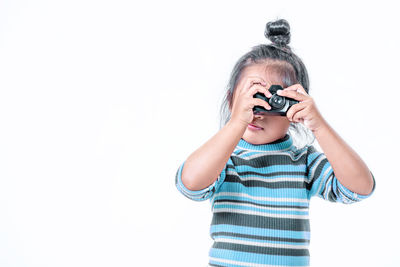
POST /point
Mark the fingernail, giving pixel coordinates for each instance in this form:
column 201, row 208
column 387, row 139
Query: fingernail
column 279, row 92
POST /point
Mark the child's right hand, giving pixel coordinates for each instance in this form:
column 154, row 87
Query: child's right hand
column 243, row 100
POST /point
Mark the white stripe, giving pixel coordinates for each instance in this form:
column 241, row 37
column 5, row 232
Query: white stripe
column 243, row 153
column 260, row 151
column 268, row 153
column 278, row 199
column 249, row 263
column 286, row 152
column 346, row 199
column 328, row 186
column 314, row 168
column 322, row 180
column 259, row 244
column 266, row 214
column 259, row 207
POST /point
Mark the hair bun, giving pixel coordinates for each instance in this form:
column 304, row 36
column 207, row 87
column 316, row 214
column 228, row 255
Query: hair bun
column 278, row 32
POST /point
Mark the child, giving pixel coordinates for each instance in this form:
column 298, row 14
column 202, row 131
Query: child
column 258, row 182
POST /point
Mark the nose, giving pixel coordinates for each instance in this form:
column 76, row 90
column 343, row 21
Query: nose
column 259, row 116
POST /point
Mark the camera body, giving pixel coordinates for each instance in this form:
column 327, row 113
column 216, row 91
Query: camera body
column 279, row 104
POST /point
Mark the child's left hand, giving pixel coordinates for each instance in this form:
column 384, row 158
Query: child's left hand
column 305, row 111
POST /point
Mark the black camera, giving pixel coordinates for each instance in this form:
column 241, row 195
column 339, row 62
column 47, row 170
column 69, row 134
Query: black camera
column 279, row 104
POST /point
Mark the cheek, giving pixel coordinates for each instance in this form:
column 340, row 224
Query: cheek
column 280, row 121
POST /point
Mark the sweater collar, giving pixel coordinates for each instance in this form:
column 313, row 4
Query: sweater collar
column 280, row 144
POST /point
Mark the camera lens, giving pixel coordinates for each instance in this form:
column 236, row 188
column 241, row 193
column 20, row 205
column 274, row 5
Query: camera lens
column 277, row 101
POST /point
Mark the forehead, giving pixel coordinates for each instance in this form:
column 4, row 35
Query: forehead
column 270, row 72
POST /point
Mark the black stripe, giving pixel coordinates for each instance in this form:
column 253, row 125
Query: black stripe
column 317, row 173
column 270, row 174
column 230, row 167
column 261, row 250
column 326, row 185
column 211, row 264
column 346, row 195
column 220, row 199
column 176, row 176
column 256, row 183
column 283, row 239
column 268, row 160
column 308, row 186
column 286, row 137
column 260, row 221
column 318, row 169
column 240, row 152
column 312, row 150
column 332, row 197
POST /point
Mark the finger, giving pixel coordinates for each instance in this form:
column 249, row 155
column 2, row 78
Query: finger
column 251, row 80
column 300, row 115
column 258, row 88
column 260, row 102
column 298, row 88
column 293, row 94
column 294, row 109
column 257, row 79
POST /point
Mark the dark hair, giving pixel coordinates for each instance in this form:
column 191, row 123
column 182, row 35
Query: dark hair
column 282, row 61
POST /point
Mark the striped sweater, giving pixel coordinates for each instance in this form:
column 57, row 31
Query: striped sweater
column 260, row 203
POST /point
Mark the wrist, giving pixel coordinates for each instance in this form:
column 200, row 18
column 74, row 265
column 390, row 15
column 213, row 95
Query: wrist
column 239, row 125
column 323, row 127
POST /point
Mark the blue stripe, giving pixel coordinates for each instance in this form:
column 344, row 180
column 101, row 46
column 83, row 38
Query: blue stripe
column 320, row 179
column 266, row 210
column 291, row 203
column 199, row 195
column 264, row 192
column 259, row 231
column 265, row 172
column 259, row 258
column 313, row 156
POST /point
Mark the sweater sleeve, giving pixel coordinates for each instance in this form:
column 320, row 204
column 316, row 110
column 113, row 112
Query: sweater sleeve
column 203, row 194
column 323, row 183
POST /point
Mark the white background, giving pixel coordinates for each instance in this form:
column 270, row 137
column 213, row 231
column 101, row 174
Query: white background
column 101, row 101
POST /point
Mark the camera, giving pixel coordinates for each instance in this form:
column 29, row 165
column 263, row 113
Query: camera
column 279, row 104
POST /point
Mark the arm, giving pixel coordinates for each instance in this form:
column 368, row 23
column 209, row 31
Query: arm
column 348, row 167
column 204, row 165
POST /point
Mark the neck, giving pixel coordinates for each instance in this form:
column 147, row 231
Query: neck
column 283, row 143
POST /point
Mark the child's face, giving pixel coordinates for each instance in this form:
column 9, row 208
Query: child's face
column 273, row 127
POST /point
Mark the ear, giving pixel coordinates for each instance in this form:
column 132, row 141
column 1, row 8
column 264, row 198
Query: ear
column 230, row 105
